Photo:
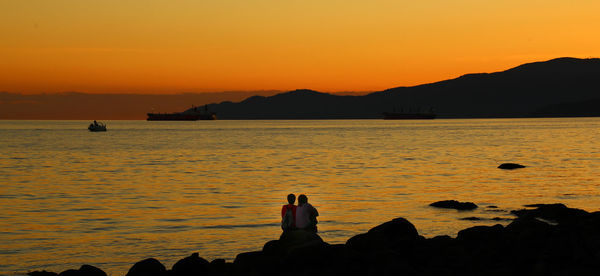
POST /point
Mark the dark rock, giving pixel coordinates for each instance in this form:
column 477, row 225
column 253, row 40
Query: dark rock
column 91, row 270
column 42, row 273
column 312, row 254
column 492, row 207
column 553, row 212
column 217, row 262
column 471, row 218
column 536, row 205
column 84, row 270
column 71, row 272
column 440, row 241
column 496, row 211
column 528, row 228
column 391, row 234
column 147, row 267
column 247, row 258
column 191, row 265
column 256, row 263
column 481, row 233
column 453, row 204
column 289, row 240
column 274, row 247
column 396, row 229
column 510, row 166
column 220, row 267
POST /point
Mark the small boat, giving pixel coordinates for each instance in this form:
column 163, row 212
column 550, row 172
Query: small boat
column 95, row 126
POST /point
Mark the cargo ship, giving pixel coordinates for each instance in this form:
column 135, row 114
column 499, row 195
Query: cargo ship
column 192, row 114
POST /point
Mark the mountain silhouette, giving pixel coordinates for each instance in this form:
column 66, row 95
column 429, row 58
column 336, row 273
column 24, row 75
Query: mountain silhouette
column 558, row 87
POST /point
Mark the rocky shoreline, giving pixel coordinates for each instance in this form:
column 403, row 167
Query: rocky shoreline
column 544, row 239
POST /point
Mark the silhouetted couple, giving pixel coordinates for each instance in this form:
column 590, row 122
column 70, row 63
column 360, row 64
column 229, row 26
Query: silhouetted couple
column 303, row 217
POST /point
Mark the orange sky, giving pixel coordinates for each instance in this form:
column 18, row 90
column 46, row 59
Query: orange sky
column 143, row 46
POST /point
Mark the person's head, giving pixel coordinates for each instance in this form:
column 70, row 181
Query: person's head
column 302, row 199
column 291, row 198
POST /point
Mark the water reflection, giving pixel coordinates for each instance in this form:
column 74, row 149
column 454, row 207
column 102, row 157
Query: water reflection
column 166, row 189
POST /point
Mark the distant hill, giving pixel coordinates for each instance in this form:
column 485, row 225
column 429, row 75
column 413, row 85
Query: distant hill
column 560, row 87
column 557, row 87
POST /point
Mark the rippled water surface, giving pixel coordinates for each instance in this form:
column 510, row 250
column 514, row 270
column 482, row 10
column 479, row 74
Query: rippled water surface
column 167, row 189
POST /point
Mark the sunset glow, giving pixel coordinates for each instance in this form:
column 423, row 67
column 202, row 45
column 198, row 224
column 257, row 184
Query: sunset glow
column 200, row 46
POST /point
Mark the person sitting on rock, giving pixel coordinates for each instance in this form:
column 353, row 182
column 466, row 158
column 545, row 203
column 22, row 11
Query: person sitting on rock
column 288, row 214
column 306, row 215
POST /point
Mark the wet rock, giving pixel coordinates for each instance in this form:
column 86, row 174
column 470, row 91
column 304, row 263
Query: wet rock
column 492, row 207
column 453, row 204
column 147, row 267
column 391, row 234
column 191, row 265
column 510, row 166
column 557, row 212
column 471, row 218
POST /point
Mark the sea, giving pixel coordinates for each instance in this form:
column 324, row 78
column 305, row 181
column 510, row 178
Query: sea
column 168, row 189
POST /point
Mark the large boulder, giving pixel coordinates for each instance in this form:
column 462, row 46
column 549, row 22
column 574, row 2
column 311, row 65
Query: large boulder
column 191, row 265
column 313, row 255
column 147, row 267
column 71, row 272
column 481, row 234
column 220, row 267
column 392, row 234
column 290, row 240
column 528, row 228
column 91, row 270
column 453, row 204
column 84, row 270
column 256, row 263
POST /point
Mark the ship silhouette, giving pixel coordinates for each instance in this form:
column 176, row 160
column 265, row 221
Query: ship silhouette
column 192, row 114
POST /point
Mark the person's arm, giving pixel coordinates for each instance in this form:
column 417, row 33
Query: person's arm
column 282, row 211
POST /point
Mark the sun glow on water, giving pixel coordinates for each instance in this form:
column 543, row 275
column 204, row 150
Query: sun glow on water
column 167, row 189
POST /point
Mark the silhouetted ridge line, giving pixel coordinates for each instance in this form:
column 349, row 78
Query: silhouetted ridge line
column 528, row 90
